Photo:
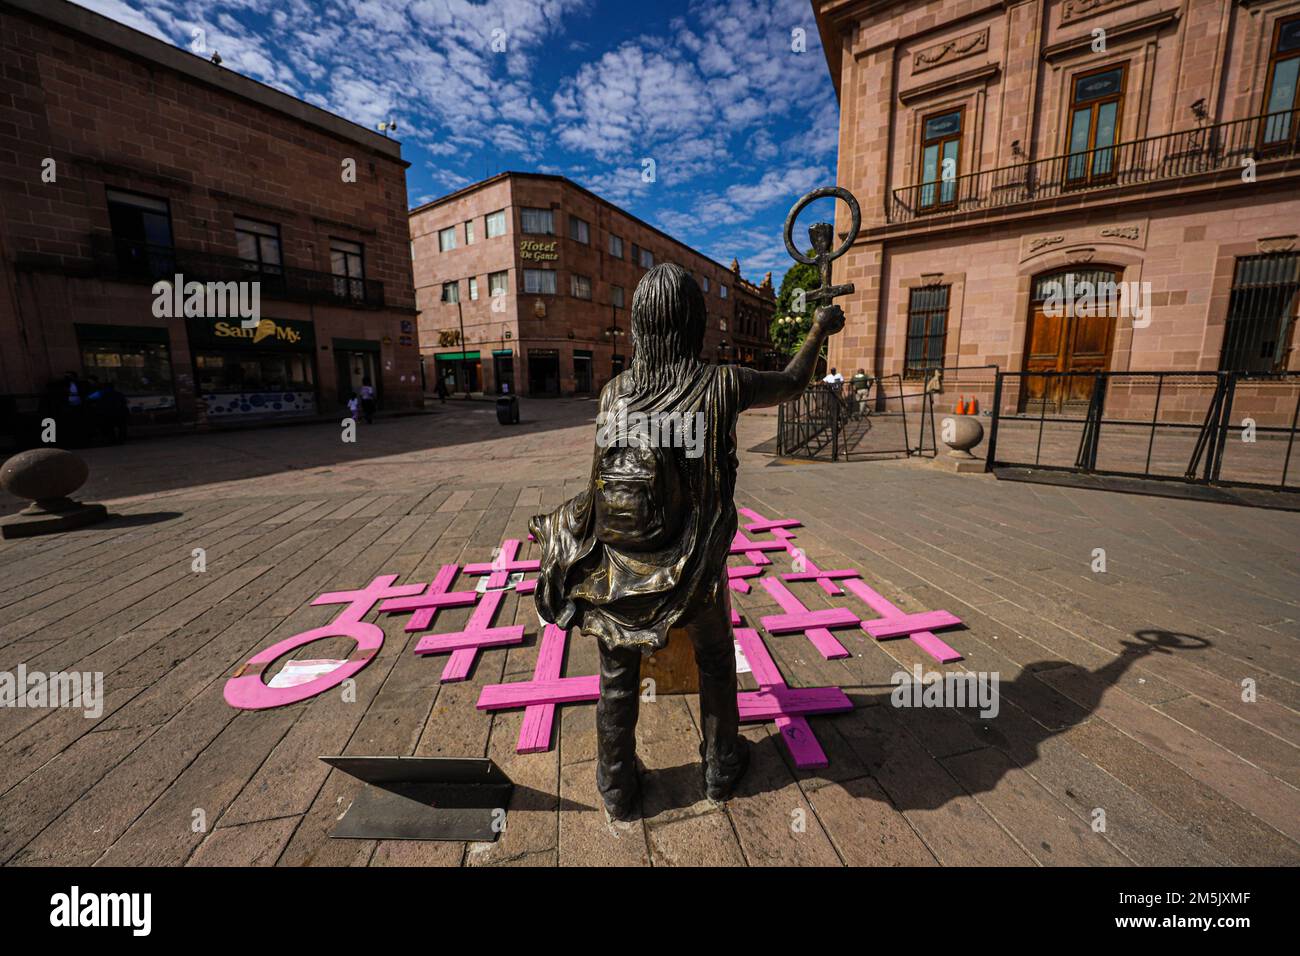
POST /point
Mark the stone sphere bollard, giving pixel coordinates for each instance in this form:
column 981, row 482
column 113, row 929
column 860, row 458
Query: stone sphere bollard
column 46, row 477
column 967, row 432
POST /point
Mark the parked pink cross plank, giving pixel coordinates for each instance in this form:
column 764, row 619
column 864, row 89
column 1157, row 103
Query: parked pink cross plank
column 775, row 700
column 736, row 577
column 465, row 645
column 506, row 560
column 814, row 624
column 247, row 691
column 895, row 623
column 753, row 550
column 758, row 523
column 539, row 707
column 801, row 559
column 427, row 604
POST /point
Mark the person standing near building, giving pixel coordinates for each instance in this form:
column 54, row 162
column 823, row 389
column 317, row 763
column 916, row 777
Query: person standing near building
column 368, row 401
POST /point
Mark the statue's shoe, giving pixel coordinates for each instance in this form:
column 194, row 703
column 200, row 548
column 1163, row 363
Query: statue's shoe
column 721, row 777
column 622, row 802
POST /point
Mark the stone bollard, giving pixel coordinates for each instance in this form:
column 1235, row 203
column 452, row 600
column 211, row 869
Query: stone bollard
column 47, row 476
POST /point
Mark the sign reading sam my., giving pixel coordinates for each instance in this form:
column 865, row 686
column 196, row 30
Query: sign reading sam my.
column 538, row 251
column 269, row 333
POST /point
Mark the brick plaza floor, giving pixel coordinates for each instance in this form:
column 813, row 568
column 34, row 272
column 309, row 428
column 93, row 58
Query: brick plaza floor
column 1119, row 691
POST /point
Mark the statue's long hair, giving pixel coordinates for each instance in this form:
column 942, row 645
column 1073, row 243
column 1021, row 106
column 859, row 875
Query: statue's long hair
column 668, row 322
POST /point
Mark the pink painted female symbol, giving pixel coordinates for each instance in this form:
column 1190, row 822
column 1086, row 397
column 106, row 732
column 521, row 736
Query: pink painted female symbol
column 247, row 691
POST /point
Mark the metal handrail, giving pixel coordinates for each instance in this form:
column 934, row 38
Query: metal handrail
column 1205, row 149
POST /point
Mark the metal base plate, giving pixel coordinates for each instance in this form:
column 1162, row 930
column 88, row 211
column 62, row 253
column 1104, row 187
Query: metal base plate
column 424, row 798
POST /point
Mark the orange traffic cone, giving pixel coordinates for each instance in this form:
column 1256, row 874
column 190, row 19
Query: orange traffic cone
column 974, row 406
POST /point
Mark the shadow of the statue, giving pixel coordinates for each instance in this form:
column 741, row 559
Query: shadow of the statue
column 908, row 753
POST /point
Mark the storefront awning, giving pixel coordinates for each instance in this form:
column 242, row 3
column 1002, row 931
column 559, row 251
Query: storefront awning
column 456, row 356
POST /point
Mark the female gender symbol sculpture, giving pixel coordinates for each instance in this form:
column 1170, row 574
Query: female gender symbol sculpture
column 644, row 547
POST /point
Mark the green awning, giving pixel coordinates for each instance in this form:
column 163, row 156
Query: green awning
column 456, row 356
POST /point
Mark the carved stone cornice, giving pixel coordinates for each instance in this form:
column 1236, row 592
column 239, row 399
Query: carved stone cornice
column 1073, row 11
column 1083, row 44
column 979, row 75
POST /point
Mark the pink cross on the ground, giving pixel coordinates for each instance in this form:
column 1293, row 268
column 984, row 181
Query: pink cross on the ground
column 498, row 570
column 814, row 624
column 736, row 577
column 539, row 696
column 776, row 701
column 757, row 523
column 823, row 578
column 431, row 600
column 246, row 689
column 753, row 550
column 465, row 645
column 896, row 623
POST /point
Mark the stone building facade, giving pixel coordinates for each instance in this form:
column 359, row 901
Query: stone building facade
column 524, row 283
column 1004, row 149
column 126, row 161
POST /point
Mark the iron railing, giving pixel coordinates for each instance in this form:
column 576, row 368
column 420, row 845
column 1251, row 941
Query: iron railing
column 811, row 425
column 1206, row 149
column 130, row 260
column 835, row 423
column 1212, row 428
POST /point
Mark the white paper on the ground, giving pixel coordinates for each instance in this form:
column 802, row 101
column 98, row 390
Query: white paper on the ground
column 742, row 665
column 515, row 578
column 301, row 672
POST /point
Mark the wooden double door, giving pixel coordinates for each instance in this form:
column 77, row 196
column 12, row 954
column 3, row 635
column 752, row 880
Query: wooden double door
column 1057, row 340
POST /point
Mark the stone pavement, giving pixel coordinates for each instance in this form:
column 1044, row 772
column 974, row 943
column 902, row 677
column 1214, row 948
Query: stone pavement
column 1120, row 691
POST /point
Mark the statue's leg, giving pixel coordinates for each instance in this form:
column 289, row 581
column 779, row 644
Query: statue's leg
column 725, row 754
column 616, row 713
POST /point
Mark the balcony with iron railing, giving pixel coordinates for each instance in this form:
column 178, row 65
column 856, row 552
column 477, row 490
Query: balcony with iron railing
column 131, row 261
column 1173, row 156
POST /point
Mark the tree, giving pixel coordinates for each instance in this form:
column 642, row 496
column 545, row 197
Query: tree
column 793, row 317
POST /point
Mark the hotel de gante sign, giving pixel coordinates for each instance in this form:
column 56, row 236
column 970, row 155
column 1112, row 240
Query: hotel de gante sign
column 539, row 251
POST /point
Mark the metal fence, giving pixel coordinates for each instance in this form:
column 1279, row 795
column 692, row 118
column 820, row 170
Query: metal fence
column 893, row 416
column 1214, row 428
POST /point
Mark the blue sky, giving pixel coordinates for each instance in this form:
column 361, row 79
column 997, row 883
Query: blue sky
column 738, row 123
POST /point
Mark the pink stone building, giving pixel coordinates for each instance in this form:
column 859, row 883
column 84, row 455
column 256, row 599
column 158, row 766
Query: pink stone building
column 999, row 147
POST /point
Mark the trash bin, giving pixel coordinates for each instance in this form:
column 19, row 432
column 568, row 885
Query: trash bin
column 508, row 409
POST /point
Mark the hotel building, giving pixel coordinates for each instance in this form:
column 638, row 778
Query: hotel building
column 1002, row 148
column 524, row 284
column 125, row 161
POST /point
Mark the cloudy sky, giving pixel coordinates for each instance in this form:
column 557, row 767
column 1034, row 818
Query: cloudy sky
column 737, row 121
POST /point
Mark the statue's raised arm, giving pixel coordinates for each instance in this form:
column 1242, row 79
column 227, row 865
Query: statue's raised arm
column 773, row 388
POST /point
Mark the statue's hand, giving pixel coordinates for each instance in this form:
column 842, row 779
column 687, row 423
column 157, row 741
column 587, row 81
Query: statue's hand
column 830, row 319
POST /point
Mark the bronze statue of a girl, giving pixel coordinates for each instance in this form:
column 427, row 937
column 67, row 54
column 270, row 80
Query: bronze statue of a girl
column 644, row 547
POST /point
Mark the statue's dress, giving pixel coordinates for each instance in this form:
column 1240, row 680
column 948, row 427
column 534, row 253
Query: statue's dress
column 632, row 599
